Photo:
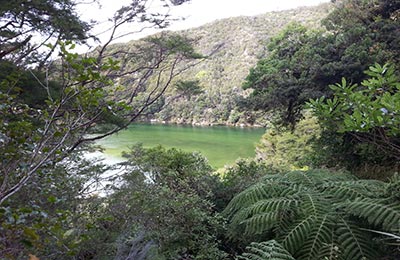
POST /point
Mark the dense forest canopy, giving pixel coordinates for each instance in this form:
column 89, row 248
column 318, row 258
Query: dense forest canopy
column 303, row 62
column 28, row 25
column 322, row 186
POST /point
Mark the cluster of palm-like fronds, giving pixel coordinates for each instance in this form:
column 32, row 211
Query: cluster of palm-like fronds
column 314, row 215
column 270, row 250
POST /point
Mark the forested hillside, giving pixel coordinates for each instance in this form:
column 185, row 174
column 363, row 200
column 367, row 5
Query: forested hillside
column 325, row 182
column 235, row 44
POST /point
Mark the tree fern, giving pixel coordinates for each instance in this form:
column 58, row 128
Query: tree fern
column 378, row 212
column 256, row 193
column 259, row 223
column 269, row 213
column 270, row 250
column 354, row 242
column 330, row 252
column 274, row 204
column 314, row 204
column 310, row 214
column 297, row 234
column 350, row 190
column 321, row 235
column 313, row 208
column 315, row 177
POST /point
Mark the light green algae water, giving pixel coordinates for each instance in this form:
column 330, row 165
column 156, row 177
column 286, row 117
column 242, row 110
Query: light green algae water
column 221, row 145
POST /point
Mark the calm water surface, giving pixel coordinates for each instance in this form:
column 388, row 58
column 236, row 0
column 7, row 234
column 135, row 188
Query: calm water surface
column 221, row 145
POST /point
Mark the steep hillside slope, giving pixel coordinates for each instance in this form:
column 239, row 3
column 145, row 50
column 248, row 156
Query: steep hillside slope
column 241, row 41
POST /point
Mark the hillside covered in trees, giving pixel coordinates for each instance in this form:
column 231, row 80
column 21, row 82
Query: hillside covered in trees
column 324, row 183
column 232, row 46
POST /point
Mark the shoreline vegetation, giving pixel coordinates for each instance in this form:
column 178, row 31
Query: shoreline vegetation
column 102, row 128
column 322, row 183
column 203, row 123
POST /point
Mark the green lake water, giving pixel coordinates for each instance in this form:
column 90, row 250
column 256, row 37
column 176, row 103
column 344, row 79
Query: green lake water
column 221, row 145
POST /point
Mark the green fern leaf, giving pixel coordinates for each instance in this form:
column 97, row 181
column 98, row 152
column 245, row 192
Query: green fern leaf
column 315, row 204
column 259, row 223
column 320, row 236
column 256, row 193
column 267, row 214
column 260, row 191
column 274, row 204
column 354, row 242
column 270, row 250
column 298, row 234
column 350, row 190
column 330, row 252
column 264, row 215
column 309, row 214
column 300, row 177
column 378, row 212
column 316, row 177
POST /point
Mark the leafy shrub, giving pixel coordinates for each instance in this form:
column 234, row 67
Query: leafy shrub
column 366, row 117
column 165, row 199
column 287, row 149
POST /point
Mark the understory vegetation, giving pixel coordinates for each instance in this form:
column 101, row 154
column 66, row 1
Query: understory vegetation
column 323, row 185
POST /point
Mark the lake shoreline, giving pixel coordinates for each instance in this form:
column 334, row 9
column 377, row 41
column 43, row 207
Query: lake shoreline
column 219, row 144
column 103, row 128
column 200, row 124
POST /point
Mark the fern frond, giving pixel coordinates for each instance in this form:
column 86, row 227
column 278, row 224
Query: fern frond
column 315, row 177
column 320, row 236
column 301, row 208
column 330, row 252
column 259, row 223
column 265, row 214
column 354, row 242
column 246, row 197
column 350, row 190
column 270, row 250
column 314, row 204
column 260, row 191
column 393, row 187
column 377, row 212
column 274, row 204
column 298, row 233
column 300, row 177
